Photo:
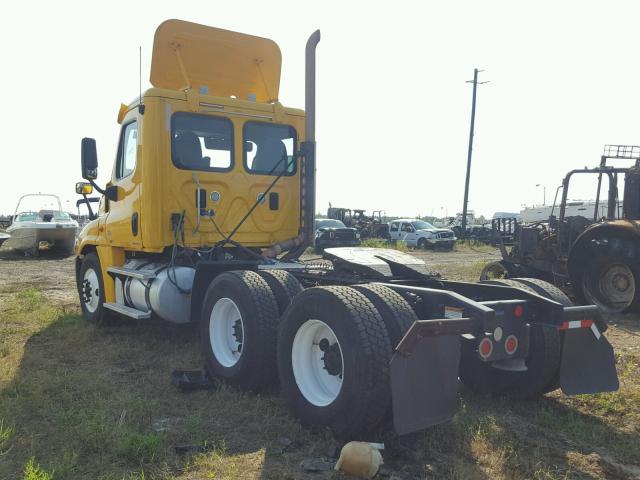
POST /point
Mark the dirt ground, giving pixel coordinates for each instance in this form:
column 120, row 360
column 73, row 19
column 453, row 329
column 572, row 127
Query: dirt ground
column 102, row 396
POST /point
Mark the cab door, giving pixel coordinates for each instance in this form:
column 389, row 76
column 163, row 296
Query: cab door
column 394, row 231
column 123, row 217
column 408, row 233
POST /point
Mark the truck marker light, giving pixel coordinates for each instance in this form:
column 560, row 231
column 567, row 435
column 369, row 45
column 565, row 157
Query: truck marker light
column 485, row 348
column 511, row 344
column 497, row 334
column 518, row 311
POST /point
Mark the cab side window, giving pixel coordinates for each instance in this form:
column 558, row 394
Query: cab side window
column 406, row 227
column 127, row 151
column 394, row 227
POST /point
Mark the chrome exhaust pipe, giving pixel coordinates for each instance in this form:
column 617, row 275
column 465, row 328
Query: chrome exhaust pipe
column 309, row 145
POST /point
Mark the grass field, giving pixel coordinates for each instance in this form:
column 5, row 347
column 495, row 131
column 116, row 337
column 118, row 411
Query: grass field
column 82, row 402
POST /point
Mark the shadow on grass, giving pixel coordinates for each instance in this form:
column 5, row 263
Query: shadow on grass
column 89, row 402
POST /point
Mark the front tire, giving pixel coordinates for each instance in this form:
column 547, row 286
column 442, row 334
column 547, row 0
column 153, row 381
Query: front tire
column 238, row 330
column 333, row 361
column 493, row 271
column 91, row 290
column 422, row 244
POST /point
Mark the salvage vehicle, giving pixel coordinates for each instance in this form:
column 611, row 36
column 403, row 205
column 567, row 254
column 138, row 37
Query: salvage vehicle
column 593, row 255
column 372, row 226
column 334, row 233
column 420, row 234
column 208, row 210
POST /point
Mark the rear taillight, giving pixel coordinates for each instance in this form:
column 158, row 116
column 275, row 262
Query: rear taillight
column 485, row 348
column 511, row 344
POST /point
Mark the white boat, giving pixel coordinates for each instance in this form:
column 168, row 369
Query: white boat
column 574, row 208
column 39, row 220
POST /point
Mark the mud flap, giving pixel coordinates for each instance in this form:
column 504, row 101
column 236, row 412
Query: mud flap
column 424, row 383
column 588, row 364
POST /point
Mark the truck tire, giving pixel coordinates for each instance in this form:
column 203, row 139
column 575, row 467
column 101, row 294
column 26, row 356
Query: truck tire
column 238, row 330
column 508, row 282
column 91, row 291
column 422, row 244
column 494, row 270
column 283, row 285
column 396, row 313
column 333, row 361
column 552, row 292
column 547, row 290
column 611, row 279
column 543, row 362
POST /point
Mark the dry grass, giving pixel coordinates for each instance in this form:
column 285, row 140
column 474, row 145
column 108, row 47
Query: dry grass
column 462, row 271
column 78, row 402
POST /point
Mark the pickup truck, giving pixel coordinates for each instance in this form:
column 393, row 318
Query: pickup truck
column 421, row 234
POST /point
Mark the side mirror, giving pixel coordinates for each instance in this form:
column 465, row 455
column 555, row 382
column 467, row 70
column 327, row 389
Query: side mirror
column 89, row 159
column 84, row 188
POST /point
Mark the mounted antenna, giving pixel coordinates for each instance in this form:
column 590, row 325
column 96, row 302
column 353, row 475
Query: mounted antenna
column 140, row 104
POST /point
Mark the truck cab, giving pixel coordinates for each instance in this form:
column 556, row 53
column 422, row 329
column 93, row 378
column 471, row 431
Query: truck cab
column 209, row 143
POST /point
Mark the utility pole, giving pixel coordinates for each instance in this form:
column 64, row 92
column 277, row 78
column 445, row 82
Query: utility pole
column 473, row 121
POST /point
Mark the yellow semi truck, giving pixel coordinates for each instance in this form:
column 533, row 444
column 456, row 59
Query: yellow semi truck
column 208, row 211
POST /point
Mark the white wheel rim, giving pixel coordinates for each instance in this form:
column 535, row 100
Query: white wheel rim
column 316, row 384
column 90, row 290
column 226, row 332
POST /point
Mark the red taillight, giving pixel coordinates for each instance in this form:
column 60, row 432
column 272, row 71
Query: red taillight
column 485, row 348
column 518, row 311
column 511, row 344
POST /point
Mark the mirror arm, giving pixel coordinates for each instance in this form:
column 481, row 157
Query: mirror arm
column 100, row 190
column 111, row 192
column 92, row 216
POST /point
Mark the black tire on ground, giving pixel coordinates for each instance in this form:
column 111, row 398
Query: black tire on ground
column 396, row 313
column 422, row 244
column 364, row 396
column 618, row 260
column 543, row 362
column 98, row 315
column 552, row 292
column 255, row 367
column 283, row 285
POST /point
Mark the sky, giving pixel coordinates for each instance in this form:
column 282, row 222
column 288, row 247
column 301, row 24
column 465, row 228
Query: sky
column 393, row 103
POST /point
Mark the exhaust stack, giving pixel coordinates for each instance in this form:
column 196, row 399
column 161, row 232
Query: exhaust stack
column 308, row 147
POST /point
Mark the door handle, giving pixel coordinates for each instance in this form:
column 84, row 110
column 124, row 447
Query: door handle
column 134, row 224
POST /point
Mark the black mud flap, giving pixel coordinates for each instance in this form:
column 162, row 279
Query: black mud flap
column 424, row 383
column 588, row 364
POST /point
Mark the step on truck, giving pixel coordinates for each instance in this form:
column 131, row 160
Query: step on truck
column 205, row 220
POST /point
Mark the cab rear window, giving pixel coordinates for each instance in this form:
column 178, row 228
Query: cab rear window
column 269, row 148
column 201, row 142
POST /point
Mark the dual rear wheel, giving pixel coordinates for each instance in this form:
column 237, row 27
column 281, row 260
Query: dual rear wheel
column 329, row 347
